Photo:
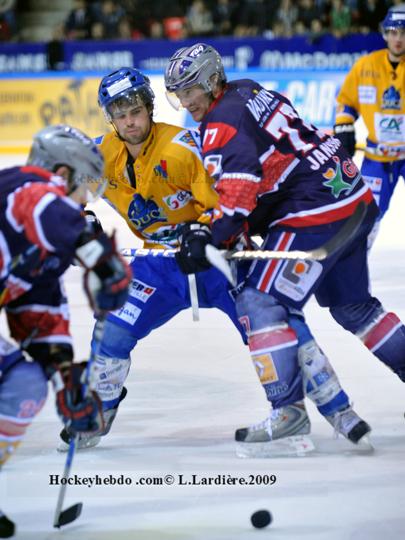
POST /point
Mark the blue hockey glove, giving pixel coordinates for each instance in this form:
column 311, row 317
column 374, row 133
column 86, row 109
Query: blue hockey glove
column 194, row 237
column 79, row 413
column 347, row 136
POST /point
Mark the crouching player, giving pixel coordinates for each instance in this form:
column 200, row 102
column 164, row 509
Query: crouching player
column 42, row 230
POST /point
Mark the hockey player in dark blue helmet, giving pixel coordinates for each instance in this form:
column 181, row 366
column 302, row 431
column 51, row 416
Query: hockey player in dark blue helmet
column 122, row 89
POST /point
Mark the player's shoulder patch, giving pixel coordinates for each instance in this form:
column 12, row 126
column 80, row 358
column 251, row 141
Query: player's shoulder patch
column 190, row 139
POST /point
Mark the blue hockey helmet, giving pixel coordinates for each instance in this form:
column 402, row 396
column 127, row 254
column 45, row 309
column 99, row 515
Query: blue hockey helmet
column 395, row 18
column 127, row 87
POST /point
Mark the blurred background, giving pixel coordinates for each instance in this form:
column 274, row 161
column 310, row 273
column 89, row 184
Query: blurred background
column 53, row 54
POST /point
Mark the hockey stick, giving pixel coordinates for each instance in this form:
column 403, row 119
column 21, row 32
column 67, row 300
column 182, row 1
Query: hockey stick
column 63, row 517
column 219, row 259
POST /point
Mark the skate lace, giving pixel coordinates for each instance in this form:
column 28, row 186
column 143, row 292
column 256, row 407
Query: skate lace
column 344, row 421
column 267, row 422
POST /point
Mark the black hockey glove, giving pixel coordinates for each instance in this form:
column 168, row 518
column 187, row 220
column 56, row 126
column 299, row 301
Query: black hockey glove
column 107, row 277
column 346, row 135
column 79, row 413
column 93, row 223
column 194, row 237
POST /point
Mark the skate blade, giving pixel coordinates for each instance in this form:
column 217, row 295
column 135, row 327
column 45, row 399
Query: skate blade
column 364, row 445
column 82, row 445
column 295, row 446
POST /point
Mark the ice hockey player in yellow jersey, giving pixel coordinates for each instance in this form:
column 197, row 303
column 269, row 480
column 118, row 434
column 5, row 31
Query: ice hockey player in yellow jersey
column 374, row 89
column 158, row 184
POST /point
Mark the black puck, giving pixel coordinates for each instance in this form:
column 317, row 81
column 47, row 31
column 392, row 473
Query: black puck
column 261, row 519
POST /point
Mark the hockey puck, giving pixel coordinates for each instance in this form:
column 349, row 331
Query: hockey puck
column 261, row 519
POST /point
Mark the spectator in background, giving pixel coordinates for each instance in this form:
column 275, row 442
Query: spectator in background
column 223, row 15
column 371, row 13
column 109, row 15
column 78, row 21
column 199, row 19
column 8, row 25
column 255, row 17
column 285, row 19
column 340, row 19
column 307, row 12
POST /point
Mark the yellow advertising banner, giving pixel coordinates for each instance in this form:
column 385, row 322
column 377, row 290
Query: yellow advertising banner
column 27, row 105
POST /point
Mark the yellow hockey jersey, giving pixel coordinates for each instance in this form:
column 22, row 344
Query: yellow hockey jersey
column 375, row 90
column 169, row 184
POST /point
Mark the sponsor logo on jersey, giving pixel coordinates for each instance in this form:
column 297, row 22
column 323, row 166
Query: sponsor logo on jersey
column 335, row 180
column 391, row 126
column 265, row 368
column 128, row 313
column 161, row 169
column 178, row 200
column 391, row 99
column 141, row 291
column 142, row 213
column 213, row 164
column 262, row 105
column 367, row 95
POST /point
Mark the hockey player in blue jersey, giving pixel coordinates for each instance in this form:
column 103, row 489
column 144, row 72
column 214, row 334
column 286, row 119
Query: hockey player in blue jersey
column 160, row 290
column 295, row 186
column 42, row 229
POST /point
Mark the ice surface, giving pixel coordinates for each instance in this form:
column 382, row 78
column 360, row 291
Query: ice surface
column 191, row 385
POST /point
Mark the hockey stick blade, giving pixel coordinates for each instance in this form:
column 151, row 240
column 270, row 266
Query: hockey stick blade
column 69, row 515
column 63, row 517
column 219, row 259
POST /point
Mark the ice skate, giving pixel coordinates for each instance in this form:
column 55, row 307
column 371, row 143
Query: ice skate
column 90, row 440
column 283, row 433
column 85, row 441
column 349, row 424
column 7, row 527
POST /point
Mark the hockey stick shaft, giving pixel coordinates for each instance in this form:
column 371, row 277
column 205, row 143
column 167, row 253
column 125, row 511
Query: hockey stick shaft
column 63, row 517
column 343, row 236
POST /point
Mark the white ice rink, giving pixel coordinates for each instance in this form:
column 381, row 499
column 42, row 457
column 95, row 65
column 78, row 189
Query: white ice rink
column 191, row 386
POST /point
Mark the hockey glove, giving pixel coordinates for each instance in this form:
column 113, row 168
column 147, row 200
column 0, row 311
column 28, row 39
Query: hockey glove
column 346, row 135
column 79, row 413
column 194, row 237
column 107, row 277
column 93, row 223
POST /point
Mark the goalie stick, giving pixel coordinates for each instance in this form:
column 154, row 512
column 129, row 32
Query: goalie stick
column 219, row 258
column 63, row 517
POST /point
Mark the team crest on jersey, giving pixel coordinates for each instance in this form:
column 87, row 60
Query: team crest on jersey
column 189, row 139
column 391, row 99
column 335, row 180
column 161, row 169
column 142, row 213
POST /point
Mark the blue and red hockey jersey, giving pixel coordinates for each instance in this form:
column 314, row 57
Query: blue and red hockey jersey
column 272, row 166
